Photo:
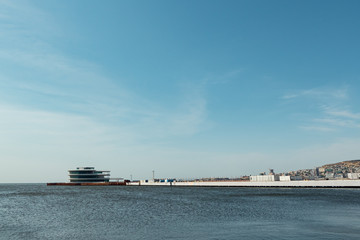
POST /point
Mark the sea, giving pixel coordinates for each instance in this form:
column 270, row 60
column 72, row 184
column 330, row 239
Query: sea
column 37, row 211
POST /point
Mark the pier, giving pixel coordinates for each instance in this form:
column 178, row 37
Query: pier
column 289, row 184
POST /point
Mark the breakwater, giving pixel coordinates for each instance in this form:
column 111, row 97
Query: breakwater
column 86, row 184
column 289, row 184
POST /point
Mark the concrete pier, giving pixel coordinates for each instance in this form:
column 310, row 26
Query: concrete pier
column 289, row 184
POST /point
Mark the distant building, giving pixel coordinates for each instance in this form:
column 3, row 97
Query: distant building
column 353, row 175
column 329, row 175
column 264, row 178
column 290, row 178
column 338, row 176
column 317, row 171
column 284, row 178
column 88, row 174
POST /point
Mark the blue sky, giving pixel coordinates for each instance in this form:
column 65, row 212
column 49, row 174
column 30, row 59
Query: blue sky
column 185, row 88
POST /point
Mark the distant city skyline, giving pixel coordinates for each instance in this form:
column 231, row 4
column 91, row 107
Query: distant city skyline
column 189, row 89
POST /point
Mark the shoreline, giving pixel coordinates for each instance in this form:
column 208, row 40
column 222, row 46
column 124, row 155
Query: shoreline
column 275, row 184
column 87, row 184
column 245, row 184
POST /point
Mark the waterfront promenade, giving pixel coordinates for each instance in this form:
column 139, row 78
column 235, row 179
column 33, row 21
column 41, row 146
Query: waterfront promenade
column 289, row 184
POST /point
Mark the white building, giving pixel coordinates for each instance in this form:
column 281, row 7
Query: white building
column 353, row 175
column 264, row 178
column 290, row 178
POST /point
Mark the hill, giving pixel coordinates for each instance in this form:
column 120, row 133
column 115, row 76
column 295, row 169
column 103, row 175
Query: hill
column 344, row 164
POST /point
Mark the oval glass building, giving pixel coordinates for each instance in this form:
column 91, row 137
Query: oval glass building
column 88, row 174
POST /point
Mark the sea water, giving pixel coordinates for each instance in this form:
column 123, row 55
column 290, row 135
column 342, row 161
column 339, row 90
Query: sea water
column 37, row 211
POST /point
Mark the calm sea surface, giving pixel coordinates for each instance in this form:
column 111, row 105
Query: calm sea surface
column 36, row 211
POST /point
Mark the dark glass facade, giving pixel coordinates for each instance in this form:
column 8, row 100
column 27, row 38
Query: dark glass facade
column 88, row 174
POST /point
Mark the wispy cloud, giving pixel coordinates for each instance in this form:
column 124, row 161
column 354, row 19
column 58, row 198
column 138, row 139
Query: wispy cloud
column 24, row 27
column 57, row 111
column 318, row 128
column 194, row 113
column 290, row 96
column 340, row 118
column 48, row 80
column 333, row 109
column 343, row 113
column 322, row 93
column 224, row 78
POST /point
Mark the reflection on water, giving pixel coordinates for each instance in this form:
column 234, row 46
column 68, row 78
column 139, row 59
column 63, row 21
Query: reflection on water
column 36, row 211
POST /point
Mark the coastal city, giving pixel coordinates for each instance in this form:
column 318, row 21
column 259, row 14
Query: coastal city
column 338, row 171
column 341, row 174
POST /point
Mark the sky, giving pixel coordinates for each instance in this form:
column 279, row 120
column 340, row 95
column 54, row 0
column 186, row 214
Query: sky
column 188, row 89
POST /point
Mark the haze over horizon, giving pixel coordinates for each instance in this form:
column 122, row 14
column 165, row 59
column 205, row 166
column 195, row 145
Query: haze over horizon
column 185, row 88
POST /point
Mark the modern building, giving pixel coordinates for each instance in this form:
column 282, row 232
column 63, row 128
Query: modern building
column 88, row 174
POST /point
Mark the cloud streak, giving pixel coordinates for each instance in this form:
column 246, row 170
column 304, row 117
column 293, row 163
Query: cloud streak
column 318, row 128
column 343, row 113
column 319, row 93
column 332, row 109
column 49, row 80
